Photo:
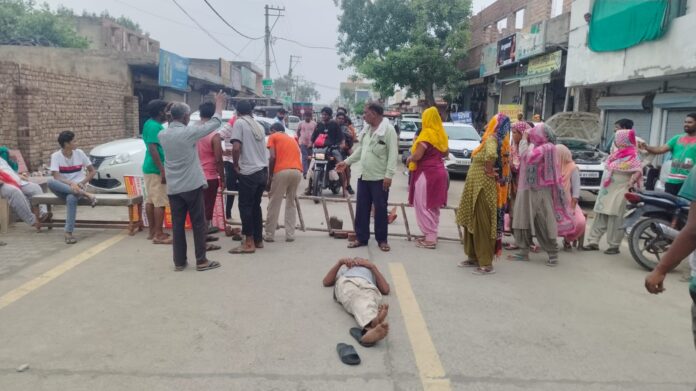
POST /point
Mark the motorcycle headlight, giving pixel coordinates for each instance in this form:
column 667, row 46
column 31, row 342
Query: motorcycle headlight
column 319, row 156
column 122, row 158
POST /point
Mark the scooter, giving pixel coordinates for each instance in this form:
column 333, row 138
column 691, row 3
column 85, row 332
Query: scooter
column 324, row 174
column 653, row 220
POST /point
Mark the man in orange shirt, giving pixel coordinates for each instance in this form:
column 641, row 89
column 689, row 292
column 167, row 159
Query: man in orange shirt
column 285, row 174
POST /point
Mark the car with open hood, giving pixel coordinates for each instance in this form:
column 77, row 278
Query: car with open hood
column 581, row 132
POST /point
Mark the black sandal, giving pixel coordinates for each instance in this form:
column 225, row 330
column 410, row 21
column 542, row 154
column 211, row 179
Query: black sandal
column 208, row 266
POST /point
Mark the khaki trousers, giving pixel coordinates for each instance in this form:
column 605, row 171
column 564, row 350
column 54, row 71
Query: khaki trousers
column 284, row 184
column 359, row 298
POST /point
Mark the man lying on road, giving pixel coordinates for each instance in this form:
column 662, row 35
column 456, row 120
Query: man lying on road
column 359, row 286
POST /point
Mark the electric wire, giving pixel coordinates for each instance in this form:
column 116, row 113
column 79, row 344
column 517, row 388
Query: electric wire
column 211, row 36
column 229, row 25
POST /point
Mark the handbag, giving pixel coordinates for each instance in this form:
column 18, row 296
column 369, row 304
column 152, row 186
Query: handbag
column 320, row 141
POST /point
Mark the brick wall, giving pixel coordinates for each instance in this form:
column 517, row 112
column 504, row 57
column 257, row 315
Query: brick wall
column 534, row 11
column 36, row 105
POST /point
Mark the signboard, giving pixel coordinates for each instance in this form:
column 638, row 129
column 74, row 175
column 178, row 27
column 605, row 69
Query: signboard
column 461, row 117
column 489, row 63
column 511, row 111
column 506, row 50
column 267, row 87
column 544, row 64
column 531, row 43
column 173, row 70
column 248, row 79
column 544, row 78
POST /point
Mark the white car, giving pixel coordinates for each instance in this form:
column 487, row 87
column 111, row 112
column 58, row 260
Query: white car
column 408, row 128
column 293, row 122
column 581, row 132
column 463, row 139
column 119, row 158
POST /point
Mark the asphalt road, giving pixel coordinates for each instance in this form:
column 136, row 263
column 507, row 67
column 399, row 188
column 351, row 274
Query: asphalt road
column 110, row 314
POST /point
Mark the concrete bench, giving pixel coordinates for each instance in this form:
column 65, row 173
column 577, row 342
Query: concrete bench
column 134, row 204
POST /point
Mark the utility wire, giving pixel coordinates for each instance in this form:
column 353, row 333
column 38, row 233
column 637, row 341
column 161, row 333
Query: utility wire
column 303, row 45
column 230, row 26
column 275, row 61
column 204, row 30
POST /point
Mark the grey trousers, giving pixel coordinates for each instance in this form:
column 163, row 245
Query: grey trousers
column 611, row 225
column 284, row 184
column 19, row 200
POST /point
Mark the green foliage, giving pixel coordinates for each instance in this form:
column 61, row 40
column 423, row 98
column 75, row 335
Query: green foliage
column 23, row 23
column 415, row 44
column 122, row 20
column 300, row 90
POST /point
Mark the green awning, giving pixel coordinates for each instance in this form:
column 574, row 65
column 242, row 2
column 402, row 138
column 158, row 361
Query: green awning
column 621, row 24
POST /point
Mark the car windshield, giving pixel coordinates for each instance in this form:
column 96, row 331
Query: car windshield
column 411, row 126
column 459, row 132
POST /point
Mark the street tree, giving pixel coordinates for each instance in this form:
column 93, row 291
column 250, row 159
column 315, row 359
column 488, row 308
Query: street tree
column 300, row 90
column 413, row 44
column 22, row 22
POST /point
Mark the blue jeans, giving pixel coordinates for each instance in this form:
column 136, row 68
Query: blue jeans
column 306, row 153
column 65, row 192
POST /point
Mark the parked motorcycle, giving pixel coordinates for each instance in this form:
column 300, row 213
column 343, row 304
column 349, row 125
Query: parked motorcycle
column 324, row 174
column 653, row 220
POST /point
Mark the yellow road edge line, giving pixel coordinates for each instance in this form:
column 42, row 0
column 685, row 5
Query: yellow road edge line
column 36, row 283
column 430, row 369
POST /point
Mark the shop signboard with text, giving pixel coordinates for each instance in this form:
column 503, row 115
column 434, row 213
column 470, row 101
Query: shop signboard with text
column 545, row 64
column 531, row 43
column 173, row 70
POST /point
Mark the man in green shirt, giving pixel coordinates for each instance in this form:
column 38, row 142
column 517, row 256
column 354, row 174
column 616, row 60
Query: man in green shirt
column 377, row 152
column 683, row 149
column 153, row 171
column 683, row 245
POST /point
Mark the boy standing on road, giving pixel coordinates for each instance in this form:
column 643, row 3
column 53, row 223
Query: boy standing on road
column 305, row 132
column 285, row 174
column 153, row 171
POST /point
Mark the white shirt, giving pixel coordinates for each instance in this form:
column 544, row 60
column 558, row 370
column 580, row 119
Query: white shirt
column 5, row 167
column 73, row 168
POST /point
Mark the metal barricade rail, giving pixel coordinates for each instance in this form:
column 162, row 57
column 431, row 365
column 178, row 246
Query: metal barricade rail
column 351, row 210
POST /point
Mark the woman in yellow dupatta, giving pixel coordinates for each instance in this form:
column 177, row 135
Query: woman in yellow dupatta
column 482, row 206
column 428, row 181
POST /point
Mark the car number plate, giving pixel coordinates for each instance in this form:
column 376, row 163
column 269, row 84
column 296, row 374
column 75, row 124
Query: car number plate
column 462, row 162
column 589, row 174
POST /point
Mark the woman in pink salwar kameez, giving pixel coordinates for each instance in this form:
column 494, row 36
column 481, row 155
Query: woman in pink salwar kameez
column 428, row 184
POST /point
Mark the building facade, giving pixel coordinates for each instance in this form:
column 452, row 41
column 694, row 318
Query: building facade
column 652, row 82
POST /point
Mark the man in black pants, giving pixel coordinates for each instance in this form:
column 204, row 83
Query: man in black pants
column 186, row 181
column 251, row 164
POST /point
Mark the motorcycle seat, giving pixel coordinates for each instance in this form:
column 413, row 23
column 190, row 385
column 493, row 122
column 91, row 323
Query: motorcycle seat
column 678, row 201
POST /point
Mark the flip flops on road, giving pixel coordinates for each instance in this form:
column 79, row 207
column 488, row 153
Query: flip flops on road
column 358, row 333
column 347, row 354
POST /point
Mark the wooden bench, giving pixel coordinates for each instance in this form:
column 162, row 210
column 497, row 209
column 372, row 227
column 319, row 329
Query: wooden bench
column 134, row 204
column 4, row 215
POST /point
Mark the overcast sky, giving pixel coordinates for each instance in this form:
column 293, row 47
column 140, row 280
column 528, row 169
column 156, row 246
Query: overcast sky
column 312, row 22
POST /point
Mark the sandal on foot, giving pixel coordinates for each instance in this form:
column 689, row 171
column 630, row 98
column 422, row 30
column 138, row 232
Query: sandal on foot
column 356, row 244
column 612, row 251
column 427, row 245
column 347, row 354
column 208, row 266
column 553, row 261
column 384, row 246
column 590, row 247
column 482, row 271
column 259, row 244
column 518, row 257
column 467, row 263
column 180, row 268
column 70, row 240
column 511, row 247
column 212, row 247
column 93, row 202
column 211, row 238
column 358, row 333
column 162, row 241
column 242, row 250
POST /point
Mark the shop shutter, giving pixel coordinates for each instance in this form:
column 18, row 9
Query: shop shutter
column 641, row 123
column 675, row 122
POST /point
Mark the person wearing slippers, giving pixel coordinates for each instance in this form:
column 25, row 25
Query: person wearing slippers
column 251, row 163
column 186, row 180
column 427, row 190
column 69, row 179
column 358, row 287
column 18, row 192
column 377, row 153
column 482, row 205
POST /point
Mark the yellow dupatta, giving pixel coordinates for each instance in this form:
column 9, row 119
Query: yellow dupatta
column 432, row 133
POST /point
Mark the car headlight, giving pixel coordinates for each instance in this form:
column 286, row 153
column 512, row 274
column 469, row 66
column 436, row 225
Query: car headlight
column 122, row 158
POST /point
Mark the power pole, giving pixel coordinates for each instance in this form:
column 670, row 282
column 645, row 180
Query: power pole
column 267, row 40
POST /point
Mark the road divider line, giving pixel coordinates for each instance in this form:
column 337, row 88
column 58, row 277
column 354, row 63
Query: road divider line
column 430, row 369
column 36, row 283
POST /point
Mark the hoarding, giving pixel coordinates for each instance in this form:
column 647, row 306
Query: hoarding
column 173, row 70
column 506, row 50
column 545, row 64
column 489, row 63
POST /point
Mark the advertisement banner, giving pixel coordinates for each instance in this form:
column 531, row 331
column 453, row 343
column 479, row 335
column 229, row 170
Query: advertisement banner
column 489, row 60
column 506, row 50
column 545, row 64
column 531, row 43
column 173, row 70
column 463, row 117
column 511, row 111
